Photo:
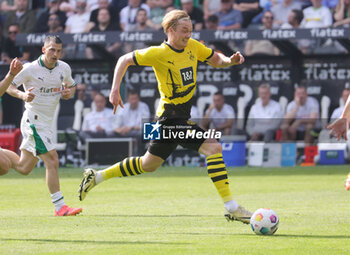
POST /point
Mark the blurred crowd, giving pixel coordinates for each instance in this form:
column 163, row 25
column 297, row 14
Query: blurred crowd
column 79, row 16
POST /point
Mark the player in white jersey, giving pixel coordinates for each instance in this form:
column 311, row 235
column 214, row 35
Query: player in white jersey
column 45, row 81
column 15, row 68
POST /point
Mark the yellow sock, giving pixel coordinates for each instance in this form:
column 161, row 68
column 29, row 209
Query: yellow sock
column 218, row 174
column 127, row 167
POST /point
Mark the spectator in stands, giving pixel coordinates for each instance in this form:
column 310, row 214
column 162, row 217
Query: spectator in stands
column 229, row 18
column 99, row 122
column 7, row 6
column 141, row 22
column 128, row 13
column 114, row 16
column 157, row 13
column 141, row 25
column 195, row 115
column 70, row 6
column 52, row 7
column 212, row 22
column 195, row 13
column 338, row 111
column 54, row 25
column 316, row 16
column 129, row 120
column 22, row 16
column 103, row 24
column 264, row 117
column 301, row 117
column 331, row 4
column 219, row 115
column 295, row 18
column 262, row 47
column 177, row 3
column 342, row 13
column 82, row 95
column 282, row 10
column 77, row 22
column 210, row 7
column 11, row 50
column 248, row 8
column 118, row 5
column 170, row 8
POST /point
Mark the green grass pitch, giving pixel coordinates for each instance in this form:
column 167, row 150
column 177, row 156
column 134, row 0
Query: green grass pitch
column 178, row 211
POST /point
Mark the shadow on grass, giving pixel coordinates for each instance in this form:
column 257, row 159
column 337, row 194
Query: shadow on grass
column 86, row 241
column 155, row 216
column 246, row 235
column 314, row 236
column 164, row 172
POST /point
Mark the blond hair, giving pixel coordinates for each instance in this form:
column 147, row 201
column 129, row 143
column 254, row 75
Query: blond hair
column 171, row 19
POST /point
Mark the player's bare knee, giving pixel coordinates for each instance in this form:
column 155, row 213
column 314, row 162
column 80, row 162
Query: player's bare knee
column 52, row 161
column 5, row 166
column 214, row 148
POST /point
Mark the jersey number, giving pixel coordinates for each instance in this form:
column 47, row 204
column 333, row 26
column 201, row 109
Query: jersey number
column 187, row 75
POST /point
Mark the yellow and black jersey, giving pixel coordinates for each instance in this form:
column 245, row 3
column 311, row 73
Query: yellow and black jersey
column 176, row 73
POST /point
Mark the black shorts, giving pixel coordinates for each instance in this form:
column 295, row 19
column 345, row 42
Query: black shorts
column 163, row 148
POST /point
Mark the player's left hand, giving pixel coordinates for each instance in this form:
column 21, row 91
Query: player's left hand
column 66, row 92
column 339, row 128
column 237, row 58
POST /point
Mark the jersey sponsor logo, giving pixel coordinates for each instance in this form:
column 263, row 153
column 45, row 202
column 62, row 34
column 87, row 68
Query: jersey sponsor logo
column 187, row 75
column 49, row 90
column 176, row 86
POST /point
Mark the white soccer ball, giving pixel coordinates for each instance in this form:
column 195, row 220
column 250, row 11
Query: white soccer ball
column 264, row 222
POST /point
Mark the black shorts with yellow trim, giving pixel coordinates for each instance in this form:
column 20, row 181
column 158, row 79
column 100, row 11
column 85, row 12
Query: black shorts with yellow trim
column 164, row 147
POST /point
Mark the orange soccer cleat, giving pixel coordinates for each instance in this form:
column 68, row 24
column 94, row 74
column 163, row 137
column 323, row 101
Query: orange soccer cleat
column 68, row 211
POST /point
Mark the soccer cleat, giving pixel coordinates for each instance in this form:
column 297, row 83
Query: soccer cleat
column 68, row 211
column 241, row 214
column 87, row 183
column 347, row 182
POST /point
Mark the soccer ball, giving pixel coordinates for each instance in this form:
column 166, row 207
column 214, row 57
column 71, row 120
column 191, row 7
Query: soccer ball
column 264, row 222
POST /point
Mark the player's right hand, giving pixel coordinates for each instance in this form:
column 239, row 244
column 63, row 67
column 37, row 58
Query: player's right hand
column 28, row 95
column 15, row 66
column 339, row 128
column 115, row 100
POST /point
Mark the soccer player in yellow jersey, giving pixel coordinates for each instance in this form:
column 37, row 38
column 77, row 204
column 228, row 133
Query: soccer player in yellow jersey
column 175, row 66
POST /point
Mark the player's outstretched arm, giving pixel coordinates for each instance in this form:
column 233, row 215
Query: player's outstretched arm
column 26, row 96
column 15, row 67
column 339, row 127
column 221, row 61
column 122, row 65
